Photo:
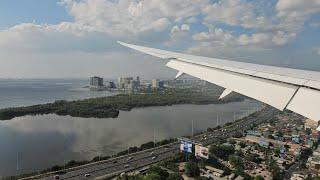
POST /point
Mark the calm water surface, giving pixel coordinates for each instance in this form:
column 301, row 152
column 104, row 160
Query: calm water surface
column 24, row 92
column 36, row 142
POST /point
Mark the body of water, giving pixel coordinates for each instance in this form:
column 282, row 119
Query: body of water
column 25, row 92
column 33, row 143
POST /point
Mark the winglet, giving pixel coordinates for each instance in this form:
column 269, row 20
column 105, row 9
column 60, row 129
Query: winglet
column 180, row 73
column 122, row 43
column 225, row 93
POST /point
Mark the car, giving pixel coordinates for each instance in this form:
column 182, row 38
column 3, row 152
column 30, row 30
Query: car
column 114, row 162
column 87, row 175
column 56, row 177
column 129, row 158
column 154, row 157
column 152, row 153
column 126, row 166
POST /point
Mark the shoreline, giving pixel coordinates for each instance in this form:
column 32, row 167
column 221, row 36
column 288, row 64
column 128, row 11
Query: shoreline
column 110, row 107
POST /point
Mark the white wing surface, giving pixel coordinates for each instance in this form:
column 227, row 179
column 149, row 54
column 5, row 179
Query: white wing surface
column 282, row 88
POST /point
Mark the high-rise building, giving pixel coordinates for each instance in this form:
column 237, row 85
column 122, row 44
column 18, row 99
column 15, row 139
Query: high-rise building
column 128, row 83
column 156, row 83
column 111, row 85
column 96, row 81
column 124, row 82
column 138, row 81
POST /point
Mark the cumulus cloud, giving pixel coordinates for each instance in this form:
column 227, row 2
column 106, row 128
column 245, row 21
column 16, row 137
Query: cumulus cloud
column 266, row 30
column 167, row 20
column 235, row 13
column 126, row 17
column 180, row 31
column 64, row 37
column 215, row 36
column 263, row 24
column 105, row 20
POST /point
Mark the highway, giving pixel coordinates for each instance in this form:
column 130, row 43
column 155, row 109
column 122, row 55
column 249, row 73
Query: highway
column 144, row 158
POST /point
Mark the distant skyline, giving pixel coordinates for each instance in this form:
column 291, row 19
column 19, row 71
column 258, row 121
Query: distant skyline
column 77, row 38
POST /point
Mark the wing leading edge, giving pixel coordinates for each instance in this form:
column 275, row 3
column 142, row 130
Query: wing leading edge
column 282, row 88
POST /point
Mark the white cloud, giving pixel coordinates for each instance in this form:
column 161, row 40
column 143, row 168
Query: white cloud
column 235, row 13
column 267, row 30
column 317, row 50
column 216, row 36
column 166, row 20
column 50, row 38
column 219, row 37
column 180, row 31
column 97, row 23
column 294, row 13
column 106, row 19
column 126, row 17
column 315, row 24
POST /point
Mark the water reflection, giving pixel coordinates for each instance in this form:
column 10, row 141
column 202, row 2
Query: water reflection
column 36, row 142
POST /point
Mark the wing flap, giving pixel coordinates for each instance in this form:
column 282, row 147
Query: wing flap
column 270, row 92
column 305, row 102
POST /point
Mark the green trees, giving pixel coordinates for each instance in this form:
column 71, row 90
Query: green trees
column 106, row 107
column 221, row 151
column 192, row 169
column 152, row 176
column 174, row 176
column 308, row 131
column 156, row 170
column 236, row 161
column 259, row 177
column 273, row 167
column 242, row 144
column 253, row 158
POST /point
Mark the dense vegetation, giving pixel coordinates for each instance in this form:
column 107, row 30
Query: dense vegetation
column 109, row 107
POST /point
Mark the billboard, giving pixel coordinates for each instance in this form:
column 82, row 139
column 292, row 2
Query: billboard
column 202, row 152
column 186, row 146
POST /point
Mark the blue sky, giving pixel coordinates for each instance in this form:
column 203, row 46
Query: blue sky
column 72, row 38
column 41, row 11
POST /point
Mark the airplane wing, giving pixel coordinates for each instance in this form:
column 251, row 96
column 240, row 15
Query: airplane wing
column 282, row 88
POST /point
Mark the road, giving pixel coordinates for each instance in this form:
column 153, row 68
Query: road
column 291, row 169
column 144, row 158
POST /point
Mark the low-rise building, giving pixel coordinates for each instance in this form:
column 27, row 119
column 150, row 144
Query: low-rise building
column 294, row 149
column 300, row 175
column 216, row 172
column 310, row 124
column 264, row 141
column 313, row 162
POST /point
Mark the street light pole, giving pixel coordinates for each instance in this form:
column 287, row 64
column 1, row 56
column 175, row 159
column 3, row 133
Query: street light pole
column 192, row 127
column 128, row 148
column 17, row 161
column 217, row 120
column 154, row 137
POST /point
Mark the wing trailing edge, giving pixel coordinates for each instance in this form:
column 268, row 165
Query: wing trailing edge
column 282, row 88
